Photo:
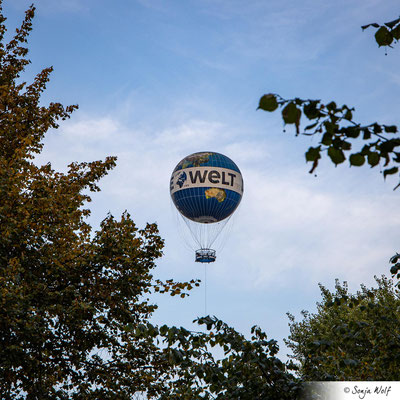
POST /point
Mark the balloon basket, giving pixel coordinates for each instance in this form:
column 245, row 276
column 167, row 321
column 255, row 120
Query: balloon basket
column 205, row 255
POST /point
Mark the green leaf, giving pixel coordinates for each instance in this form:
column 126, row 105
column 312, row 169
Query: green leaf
column 389, row 145
column 352, row 131
column 310, row 109
column 348, row 115
column 291, row 115
column 163, row 329
column 390, row 129
column 326, row 139
column 357, row 160
column 298, row 101
column 390, row 171
column 345, row 145
column 373, row 158
column 377, row 128
column 393, row 23
column 366, row 134
column 331, row 106
column 330, row 127
column 374, row 24
column 313, row 153
column 396, row 32
column 268, row 102
column 365, row 150
column 336, row 155
column 383, row 37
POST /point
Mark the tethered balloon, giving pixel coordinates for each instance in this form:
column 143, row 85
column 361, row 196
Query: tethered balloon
column 206, row 188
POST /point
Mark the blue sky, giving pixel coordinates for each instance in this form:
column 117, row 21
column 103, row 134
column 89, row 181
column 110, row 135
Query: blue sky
column 158, row 80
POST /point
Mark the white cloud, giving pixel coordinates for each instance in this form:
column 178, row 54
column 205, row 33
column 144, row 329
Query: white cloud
column 292, row 232
column 288, row 228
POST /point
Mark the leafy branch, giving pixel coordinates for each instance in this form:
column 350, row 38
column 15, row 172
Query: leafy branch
column 248, row 369
column 387, row 33
column 175, row 288
column 338, row 133
column 395, row 268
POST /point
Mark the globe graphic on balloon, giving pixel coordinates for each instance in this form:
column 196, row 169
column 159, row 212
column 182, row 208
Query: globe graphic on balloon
column 206, row 187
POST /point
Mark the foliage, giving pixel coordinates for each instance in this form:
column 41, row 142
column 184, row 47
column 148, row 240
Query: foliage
column 335, row 126
column 387, row 33
column 339, row 133
column 67, row 294
column 74, row 303
column 351, row 336
column 249, row 369
column 395, row 268
column 378, row 144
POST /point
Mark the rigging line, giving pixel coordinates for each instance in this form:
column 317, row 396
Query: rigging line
column 205, row 289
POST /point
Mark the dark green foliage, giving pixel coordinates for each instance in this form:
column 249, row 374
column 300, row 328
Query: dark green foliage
column 74, row 304
column 291, row 115
column 338, row 134
column 249, row 369
column 268, row 103
column 351, row 336
column 67, row 294
column 395, row 268
column 336, row 127
column 357, row 159
column 387, row 33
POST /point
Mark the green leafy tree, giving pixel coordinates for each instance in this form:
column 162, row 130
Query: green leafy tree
column 248, row 370
column 351, row 336
column 74, row 303
column 68, row 295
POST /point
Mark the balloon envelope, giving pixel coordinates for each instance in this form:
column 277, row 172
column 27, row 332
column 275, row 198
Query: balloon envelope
column 206, row 187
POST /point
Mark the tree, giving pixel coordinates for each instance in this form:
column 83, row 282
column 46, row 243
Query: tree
column 338, row 132
column 248, row 370
column 351, row 336
column 335, row 125
column 74, row 303
column 69, row 297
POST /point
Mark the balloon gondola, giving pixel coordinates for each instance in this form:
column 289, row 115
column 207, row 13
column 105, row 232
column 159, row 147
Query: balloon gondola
column 206, row 188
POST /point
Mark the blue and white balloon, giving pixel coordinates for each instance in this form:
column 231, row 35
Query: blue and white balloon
column 206, row 188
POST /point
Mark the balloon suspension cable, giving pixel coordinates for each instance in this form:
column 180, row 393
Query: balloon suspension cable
column 205, row 290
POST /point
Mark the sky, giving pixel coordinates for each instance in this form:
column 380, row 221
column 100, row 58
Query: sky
column 157, row 80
